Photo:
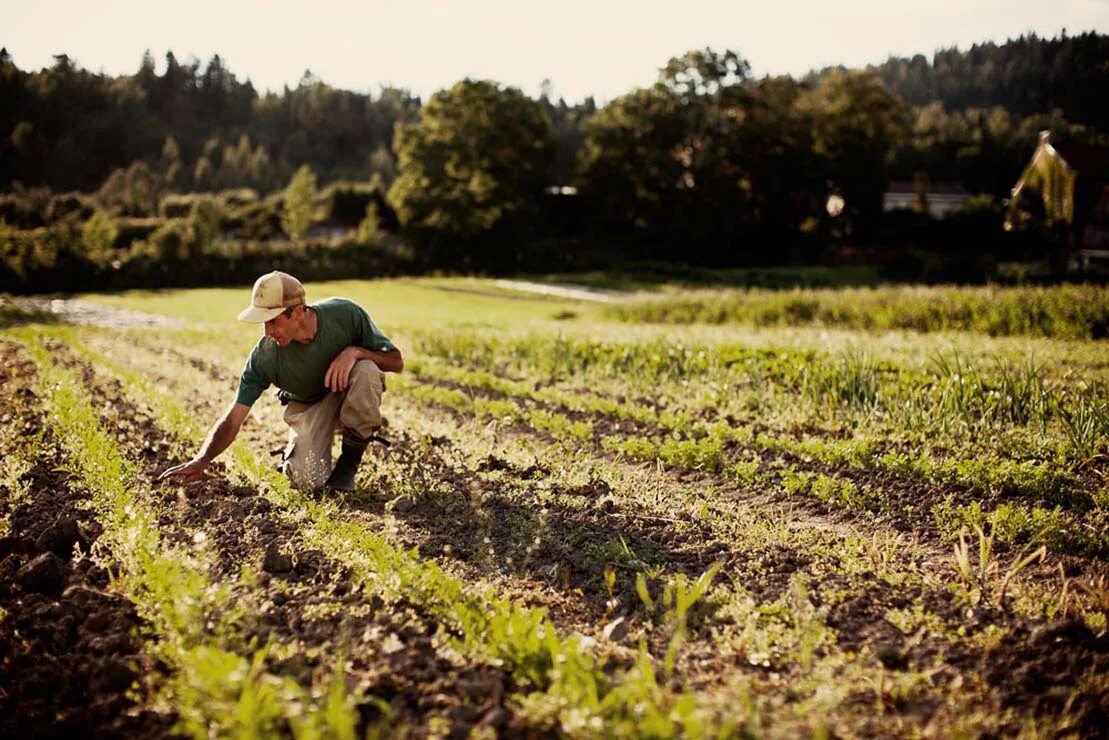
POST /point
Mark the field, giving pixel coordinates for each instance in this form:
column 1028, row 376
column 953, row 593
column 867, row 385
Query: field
column 659, row 517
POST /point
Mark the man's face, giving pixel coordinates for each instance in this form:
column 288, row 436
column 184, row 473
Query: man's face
column 282, row 327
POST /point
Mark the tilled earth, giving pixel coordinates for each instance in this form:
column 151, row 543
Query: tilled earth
column 310, row 602
column 70, row 649
column 73, row 659
column 1036, row 664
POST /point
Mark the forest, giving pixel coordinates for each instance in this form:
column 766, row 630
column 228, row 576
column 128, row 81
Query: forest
column 710, row 166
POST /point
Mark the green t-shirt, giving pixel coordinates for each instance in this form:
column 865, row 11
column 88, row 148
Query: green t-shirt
column 299, row 369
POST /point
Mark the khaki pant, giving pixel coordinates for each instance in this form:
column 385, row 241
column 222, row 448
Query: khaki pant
column 312, row 426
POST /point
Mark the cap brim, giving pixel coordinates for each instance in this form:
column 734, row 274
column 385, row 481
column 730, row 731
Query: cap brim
column 255, row 315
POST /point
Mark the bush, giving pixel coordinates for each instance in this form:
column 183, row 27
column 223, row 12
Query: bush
column 132, row 230
column 255, row 222
column 25, row 208
column 174, row 241
column 207, row 219
column 347, row 204
column 177, row 205
column 66, row 204
column 98, row 237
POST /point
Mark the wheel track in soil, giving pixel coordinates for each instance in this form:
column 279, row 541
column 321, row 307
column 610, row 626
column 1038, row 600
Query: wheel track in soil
column 70, row 649
column 1043, row 657
column 307, row 600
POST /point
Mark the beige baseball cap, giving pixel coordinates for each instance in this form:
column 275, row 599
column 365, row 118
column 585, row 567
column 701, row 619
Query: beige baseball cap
column 273, row 293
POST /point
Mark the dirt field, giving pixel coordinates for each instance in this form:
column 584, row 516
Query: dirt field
column 582, row 527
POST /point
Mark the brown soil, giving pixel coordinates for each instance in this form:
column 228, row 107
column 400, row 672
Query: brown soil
column 305, row 599
column 462, row 506
column 70, row 650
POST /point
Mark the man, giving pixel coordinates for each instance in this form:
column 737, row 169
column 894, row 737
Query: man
column 328, row 361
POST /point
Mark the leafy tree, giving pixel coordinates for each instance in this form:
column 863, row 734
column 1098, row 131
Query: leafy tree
column 369, row 229
column 299, row 202
column 98, row 236
column 474, row 165
column 630, row 167
column 856, row 127
column 207, row 217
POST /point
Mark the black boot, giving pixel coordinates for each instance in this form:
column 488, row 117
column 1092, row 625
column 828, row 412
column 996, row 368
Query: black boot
column 342, row 477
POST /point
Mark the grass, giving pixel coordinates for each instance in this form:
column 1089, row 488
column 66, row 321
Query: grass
column 1074, row 312
column 759, row 505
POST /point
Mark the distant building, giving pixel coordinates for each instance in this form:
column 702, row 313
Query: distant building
column 941, row 198
column 1070, row 181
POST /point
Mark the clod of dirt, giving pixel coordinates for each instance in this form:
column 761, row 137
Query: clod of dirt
column 9, row 545
column 276, row 561
column 110, row 675
column 889, row 652
column 60, row 537
column 616, row 630
column 44, row 574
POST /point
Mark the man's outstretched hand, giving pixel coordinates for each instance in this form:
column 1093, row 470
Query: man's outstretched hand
column 188, row 472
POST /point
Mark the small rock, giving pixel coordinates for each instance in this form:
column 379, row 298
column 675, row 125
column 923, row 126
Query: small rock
column 44, row 574
column 60, row 537
column 102, row 620
column 275, row 561
column 890, row 654
column 9, row 545
column 606, row 504
column 616, row 630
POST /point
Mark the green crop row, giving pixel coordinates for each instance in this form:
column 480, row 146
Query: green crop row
column 560, row 679
column 948, row 398
column 1070, row 311
column 700, row 445
column 217, row 684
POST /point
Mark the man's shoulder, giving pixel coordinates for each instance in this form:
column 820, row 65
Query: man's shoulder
column 337, row 305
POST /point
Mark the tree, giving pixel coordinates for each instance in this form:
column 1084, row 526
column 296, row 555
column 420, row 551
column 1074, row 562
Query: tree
column 299, row 202
column 98, row 236
column 857, row 126
column 207, row 217
column 631, row 167
column 369, row 229
column 472, row 167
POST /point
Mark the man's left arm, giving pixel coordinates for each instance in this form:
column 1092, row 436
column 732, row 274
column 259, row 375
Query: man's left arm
column 337, row 378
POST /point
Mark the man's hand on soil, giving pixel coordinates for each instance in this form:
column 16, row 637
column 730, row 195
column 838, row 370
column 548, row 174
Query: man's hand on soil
column 188, row 472
column 337, row 378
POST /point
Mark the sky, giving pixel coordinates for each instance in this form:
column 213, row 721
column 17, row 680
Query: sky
column 584, row 47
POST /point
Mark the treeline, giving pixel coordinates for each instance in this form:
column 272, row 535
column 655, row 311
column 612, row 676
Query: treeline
column 709, row 166
column 1024, row 76
column 201, row 128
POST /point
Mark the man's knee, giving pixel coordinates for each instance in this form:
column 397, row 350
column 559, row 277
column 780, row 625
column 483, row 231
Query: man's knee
column 362, row 406
column 367, row 375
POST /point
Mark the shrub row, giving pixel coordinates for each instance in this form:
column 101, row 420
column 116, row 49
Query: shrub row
column 1067, row 311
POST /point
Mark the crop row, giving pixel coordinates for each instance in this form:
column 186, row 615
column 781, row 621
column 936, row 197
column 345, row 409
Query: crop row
column 788, row 634
column 1013, row 406
column 216, row 681
column 560, row 679
column 1074, row 312
column 686, row 444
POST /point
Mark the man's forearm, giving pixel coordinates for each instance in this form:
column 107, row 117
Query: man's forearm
column 389, row 361
column 219, row 439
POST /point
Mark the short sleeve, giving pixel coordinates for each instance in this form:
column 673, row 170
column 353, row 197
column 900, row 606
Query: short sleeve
column 367, row 333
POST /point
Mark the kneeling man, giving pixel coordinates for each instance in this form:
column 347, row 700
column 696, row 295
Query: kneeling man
column 328, row 361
